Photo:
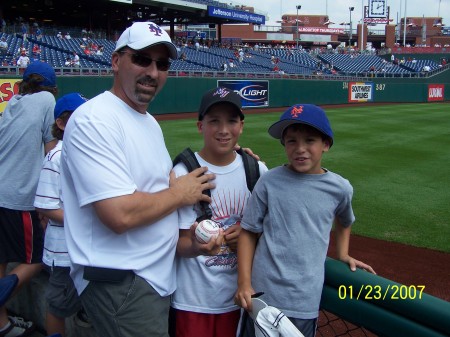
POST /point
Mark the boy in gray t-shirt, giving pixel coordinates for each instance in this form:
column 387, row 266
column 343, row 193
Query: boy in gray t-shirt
column 291, row 211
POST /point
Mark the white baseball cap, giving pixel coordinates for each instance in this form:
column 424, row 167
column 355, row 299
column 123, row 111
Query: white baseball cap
column 143, row 35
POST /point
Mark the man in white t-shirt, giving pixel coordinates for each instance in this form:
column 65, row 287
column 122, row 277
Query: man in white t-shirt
column 120, row 197
column 23, row 61
column 75, row 60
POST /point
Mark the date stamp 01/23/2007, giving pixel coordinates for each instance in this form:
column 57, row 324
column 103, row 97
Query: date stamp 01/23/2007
column 381, row 292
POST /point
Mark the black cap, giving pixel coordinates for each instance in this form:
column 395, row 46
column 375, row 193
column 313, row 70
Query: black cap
column 219, row 95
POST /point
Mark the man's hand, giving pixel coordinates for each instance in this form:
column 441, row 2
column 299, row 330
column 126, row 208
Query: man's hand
column 246, row 150
column 190, row 187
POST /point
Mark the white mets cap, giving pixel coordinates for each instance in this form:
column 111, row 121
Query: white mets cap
column 143, row 35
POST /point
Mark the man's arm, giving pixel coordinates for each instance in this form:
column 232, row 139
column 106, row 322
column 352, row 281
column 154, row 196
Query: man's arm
column 123, row 213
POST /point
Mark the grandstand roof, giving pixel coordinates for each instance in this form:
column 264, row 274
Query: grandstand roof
column 108, row 14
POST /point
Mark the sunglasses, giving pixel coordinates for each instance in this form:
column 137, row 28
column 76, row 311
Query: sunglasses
column 145, row 61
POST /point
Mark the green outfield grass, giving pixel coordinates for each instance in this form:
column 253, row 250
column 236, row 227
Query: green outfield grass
column 397, row 158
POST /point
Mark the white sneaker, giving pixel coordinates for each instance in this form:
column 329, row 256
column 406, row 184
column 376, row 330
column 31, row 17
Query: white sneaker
column 18, row 327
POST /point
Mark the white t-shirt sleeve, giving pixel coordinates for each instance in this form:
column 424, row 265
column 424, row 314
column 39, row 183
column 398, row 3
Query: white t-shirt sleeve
column 96, row 147
column 48, row 190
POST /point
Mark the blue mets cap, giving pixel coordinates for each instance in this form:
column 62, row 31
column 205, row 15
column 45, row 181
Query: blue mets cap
column 308, row 114
column 69, row 102
column 43, row 69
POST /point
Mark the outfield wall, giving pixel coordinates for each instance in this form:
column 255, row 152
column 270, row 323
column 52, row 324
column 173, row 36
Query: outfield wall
column 182, row 94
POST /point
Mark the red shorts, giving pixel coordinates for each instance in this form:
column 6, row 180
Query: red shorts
column 194, row 324
column 21, row 236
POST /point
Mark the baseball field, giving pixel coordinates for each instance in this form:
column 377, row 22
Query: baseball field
column 396, row 157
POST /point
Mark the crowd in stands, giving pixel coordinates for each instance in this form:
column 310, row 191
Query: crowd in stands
column 83, row 50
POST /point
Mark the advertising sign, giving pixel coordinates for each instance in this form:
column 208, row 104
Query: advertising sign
column 8, row 88
column 435, row 92
column 321, row 30
column 360, row 92
column 232, row 14
column 254, row 94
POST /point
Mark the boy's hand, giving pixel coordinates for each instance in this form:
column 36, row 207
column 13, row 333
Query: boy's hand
column 354, row 263
column 211, row 248
column 243, row 297
column 232, row 236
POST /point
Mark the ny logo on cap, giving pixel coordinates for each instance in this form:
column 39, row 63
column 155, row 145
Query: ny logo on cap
column 222, row 92
column 296, row 110
column 155, row 29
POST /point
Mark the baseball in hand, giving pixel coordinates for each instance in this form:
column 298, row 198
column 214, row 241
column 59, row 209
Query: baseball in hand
column 206, row 230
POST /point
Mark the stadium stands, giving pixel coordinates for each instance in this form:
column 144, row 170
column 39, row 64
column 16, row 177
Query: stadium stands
column 56, row 51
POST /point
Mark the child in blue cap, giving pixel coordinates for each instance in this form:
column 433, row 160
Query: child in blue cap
column 61, row 295
column 25, row 133
column 292, row 210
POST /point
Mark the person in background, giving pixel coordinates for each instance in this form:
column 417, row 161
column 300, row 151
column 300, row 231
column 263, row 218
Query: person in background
column 22, row 62
column 3, row 47
column 25, row 131
column 61, row 295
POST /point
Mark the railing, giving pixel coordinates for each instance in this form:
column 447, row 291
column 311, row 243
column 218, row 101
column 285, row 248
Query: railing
column 413, row 314
column 342, row 76
column 61, row 71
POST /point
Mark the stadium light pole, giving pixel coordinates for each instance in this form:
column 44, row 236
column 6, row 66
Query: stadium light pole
column 298, row 7
column 362, row 47
column 350, row 30
column 404, row 25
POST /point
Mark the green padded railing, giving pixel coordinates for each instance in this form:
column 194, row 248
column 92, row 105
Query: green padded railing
column 382, row 306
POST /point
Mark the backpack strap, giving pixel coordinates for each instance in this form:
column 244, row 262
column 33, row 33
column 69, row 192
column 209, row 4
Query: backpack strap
column 251, row 167
column 187, row 157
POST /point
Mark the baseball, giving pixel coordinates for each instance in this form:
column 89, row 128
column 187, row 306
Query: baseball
column 206, row 230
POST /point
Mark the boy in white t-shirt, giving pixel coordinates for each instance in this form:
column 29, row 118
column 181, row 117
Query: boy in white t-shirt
column 61, row 295
column 207, row 273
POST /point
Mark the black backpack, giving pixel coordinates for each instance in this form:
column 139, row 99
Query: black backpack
column 251, row 166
